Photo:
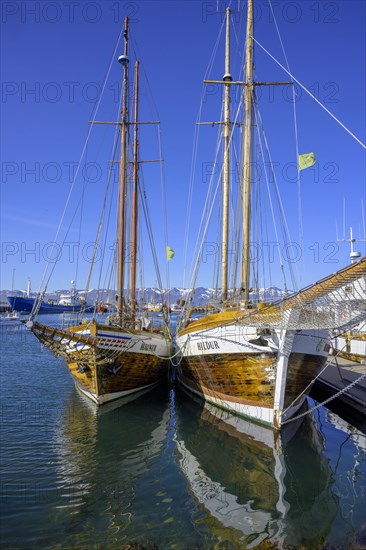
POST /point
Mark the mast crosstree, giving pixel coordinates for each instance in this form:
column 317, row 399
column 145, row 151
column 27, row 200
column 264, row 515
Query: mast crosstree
column 246, row 176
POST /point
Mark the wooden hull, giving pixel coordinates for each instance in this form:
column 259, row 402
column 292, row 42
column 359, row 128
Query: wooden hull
column 108, row 363
column 240, row 383
column 261, row 382
column 129, row 373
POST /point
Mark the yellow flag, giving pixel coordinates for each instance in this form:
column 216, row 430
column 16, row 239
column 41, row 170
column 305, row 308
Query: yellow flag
column 306, row 160
column 169, row 253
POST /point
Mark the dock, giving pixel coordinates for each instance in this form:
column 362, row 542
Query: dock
column 338, row 375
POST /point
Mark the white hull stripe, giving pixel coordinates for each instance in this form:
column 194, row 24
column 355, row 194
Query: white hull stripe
column 106, row 398
column 113, row 335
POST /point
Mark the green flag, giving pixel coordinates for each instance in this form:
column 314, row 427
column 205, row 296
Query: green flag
column 306, row 160
column 169, row 253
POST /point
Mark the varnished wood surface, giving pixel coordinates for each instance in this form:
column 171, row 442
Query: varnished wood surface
column 129, row 371
column 247, row 379
column 239, row 377
column 102, row 371
column 356, row 357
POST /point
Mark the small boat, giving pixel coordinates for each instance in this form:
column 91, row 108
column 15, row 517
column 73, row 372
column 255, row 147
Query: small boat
column 153, row 307
column 176, row 308
column 10, row 319
column 102, row 307
column 5, row 307
column 127, row 353
column 258, row 360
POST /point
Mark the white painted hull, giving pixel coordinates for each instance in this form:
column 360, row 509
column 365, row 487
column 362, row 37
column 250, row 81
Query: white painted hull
column 237, row 339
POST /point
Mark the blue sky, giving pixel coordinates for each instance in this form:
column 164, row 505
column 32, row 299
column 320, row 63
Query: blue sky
column 54, row 57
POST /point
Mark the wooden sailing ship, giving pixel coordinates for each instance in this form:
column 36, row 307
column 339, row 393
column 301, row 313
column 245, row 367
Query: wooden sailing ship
column 259, row 362
column 126, row 354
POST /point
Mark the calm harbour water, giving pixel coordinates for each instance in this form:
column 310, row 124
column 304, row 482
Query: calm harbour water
column 164, row 471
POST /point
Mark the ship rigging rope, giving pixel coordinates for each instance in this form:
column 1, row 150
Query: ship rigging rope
column 236, row 226
column 100, row 226
column 327, row 364
column 256, row 114
column 311, row 95
column 206, row 215
column 338, row 394
column 102, row 215
column 324, row 294
column 44, row 282
column 195, row 150
column 81, row 204
column 85, row 340
column 209, row 210
column 285, row 229
column 161, row 157
column 294, row 102
column 112, row 259
column 145, row 208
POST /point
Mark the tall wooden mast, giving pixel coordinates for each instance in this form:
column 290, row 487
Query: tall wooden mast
column 226, row 164
column 134, row 192
column 121, row 235
column 247, row 148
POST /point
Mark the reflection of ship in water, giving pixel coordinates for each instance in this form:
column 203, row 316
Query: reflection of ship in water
column 349, row 469
column 101, row 455
column 256, row 485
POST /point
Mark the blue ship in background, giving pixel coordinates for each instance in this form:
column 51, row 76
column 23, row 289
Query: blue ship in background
column 25, row 305
column 68, row 303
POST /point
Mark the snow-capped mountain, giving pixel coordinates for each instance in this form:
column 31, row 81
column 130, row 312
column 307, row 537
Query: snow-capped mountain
column 200, row 297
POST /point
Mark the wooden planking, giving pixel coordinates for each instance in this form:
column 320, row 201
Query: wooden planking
column 355, row 357
column 236, row 377
column 83, row 372
column 116, row 370
column 248, row 379
column 211, row 321
column 131, row 371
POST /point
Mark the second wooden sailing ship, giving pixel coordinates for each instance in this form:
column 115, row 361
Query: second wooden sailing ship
column 259, row 362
